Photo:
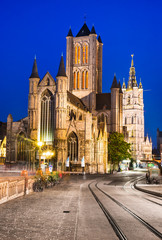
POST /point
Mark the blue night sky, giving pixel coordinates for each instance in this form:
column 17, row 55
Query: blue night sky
column 40, row 27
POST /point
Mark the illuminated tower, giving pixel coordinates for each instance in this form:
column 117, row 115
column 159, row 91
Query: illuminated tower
column 84, row 65
column 133, row 113
column 32, row 101
column 60, row 115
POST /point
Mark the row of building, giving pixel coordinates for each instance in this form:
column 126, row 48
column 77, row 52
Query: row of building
column 71, row 115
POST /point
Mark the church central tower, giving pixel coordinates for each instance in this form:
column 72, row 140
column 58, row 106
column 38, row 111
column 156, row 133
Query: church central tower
column 84, row 64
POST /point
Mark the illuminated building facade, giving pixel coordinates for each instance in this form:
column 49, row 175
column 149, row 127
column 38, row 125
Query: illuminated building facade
column 71, row 113
column 133, row 117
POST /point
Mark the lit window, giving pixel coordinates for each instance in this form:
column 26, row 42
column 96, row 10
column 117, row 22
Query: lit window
column 78, row 75
column 86, row 54
column 76, row 52
column 74, row 80
column 86, row 79
column 83, row 80
column 83, row 54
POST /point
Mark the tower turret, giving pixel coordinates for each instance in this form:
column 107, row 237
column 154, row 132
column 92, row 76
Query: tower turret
column 115, row 105
column 60, row 115
column 69, row 59
column 32, row 101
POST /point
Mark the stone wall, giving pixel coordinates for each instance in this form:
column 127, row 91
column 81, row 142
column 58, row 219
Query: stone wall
column 13, row 187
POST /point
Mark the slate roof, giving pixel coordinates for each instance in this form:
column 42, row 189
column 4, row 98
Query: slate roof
column 93, row 30
column 3, row 127
column 34, row 73
column 84, row 31
column 61, row 71
column 70, row 33
column 76, row 101
column 114, row 83
column 103, row 101
column 99, row 39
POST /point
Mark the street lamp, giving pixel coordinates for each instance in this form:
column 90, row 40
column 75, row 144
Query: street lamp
column 40, row 144
column 47, row 156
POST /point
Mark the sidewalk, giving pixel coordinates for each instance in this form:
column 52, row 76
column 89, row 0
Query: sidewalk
column 154, row 188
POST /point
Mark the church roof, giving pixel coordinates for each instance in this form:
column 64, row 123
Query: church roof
column 119, row 86
column 76, row 101
column 84, row 31
column 70, row 33
column 99, row 39
column 93, row 30
column 114, row 83
column 61, row 71
column 34, row 73
column 103, row 101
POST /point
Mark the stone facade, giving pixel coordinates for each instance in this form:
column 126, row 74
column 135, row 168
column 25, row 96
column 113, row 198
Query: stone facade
column 133, row 117
column 71, row 115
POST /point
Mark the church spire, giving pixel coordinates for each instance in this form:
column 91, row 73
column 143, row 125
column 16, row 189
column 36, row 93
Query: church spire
column 114, row 83
column 34, row 73
column 140, row 84
column 61, row 71
column 132, row 76
column 124, row 86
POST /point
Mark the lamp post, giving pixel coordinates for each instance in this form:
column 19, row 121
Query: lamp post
column 39, row 172
column 47, row 156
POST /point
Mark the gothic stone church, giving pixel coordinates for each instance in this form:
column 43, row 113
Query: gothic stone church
column 70, row 115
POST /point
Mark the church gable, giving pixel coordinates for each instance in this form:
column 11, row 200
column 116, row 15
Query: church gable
column 47, row 80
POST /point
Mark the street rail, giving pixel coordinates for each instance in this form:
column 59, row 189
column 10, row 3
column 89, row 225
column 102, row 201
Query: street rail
column 111, row 220
column 146, row 224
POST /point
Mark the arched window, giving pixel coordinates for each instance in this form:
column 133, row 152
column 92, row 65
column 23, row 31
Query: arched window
column 77, row 54
column 86, row 79
column 74, row 80
column 125, row 120
column 132, row 119
column 85, row 53
column 47, row 117
column 78, row 76
column 21, row 147
column 102, row 117
column 83, row 80
column 72, row 146
column 129, row 99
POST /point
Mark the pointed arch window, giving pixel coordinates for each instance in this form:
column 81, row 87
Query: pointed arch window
column 77, row 54
column 78, row 82
column 85, row 53
column 132, row 119
column 86, row 79
column 74, row 80
column 47, row 117
column 83, row 80
column 72, row 146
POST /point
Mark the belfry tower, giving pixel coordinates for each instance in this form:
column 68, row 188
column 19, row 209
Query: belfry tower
column 84, row 65
column 133, row 113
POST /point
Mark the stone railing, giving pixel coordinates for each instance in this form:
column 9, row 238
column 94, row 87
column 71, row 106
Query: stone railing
column 13, row 187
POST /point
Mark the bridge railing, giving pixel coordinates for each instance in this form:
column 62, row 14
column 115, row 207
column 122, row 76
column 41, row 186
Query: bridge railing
column 13, row 187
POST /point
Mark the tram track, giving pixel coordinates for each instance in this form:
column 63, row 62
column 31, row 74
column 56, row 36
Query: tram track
column 112, row 221
column 132, row 185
